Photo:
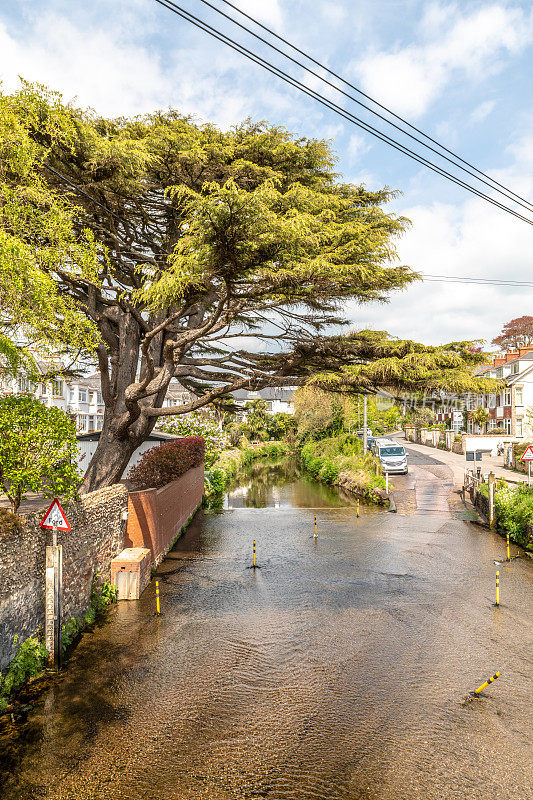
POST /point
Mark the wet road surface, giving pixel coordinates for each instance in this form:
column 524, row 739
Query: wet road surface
column 335, row 670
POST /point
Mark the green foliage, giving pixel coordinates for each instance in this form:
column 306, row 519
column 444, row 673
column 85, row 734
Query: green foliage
column 421, row 417
column 329, row 459
column 321, row 414
column 200, row 424
column 231, row 462
column 38, row 450
column 161, row 465
column 480, row 416
column 28, row 662
column 514, row 513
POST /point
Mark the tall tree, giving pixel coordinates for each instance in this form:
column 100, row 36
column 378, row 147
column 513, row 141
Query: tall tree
column 190, row 246
column 516, row 333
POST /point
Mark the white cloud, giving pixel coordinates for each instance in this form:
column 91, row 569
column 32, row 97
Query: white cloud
column 481, row 112
column 112, row 69
column 357, row 146
column 454, row 46
column 334, row 13
column 471, row 239
column 267, row 11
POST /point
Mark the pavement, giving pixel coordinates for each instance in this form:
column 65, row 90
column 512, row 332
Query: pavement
column 457, row 463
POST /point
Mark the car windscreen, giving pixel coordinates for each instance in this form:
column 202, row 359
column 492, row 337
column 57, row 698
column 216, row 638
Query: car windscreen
column 391, row 451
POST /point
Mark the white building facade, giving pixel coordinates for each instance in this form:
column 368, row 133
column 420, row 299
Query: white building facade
column 80, row 398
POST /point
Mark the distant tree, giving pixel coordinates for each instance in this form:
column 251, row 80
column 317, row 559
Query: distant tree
column 38, row 450
column 281, row 426
column 422, row 417
column 481, row 416
column 256, row 425
column 516, row 333
column 199, row 424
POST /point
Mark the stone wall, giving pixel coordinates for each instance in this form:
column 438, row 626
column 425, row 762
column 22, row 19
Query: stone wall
column 157, row 516
column 97, row 536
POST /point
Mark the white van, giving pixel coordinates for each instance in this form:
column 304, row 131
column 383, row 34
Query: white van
column 392, row 456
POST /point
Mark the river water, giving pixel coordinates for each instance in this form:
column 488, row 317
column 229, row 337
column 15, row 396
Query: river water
column 337, row 669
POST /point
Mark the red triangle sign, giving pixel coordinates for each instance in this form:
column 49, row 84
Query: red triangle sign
column 55, row 516
column 528, row 455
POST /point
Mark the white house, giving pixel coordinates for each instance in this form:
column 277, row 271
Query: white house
column 80, row 398
column 508, row 408
column 278, row 400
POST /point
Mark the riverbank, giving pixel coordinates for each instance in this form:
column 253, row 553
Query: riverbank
column 339, row 461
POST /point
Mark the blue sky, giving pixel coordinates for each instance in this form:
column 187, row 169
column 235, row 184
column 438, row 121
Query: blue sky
column 460, row 71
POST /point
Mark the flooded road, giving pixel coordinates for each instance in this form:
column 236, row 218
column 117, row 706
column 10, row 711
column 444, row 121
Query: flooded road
column 335, row 670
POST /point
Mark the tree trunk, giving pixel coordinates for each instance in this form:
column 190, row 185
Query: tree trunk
column 109, row 461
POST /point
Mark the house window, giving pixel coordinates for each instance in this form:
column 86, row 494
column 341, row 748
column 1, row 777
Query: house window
column 520, row 427
column 82, row 395
column 99, row 397
column 44, row 389
column 499, row 372
column 515, row 369
column 23, row 384
column 507, row 425
column 518, row 396
column 92, row 425
column 82, row 422
column 507, row 397
column 57, row 388
column 71, row 395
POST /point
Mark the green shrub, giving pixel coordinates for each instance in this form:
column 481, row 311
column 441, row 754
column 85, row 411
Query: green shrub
column 514, row 513
column 29, row 661
column 329, row 472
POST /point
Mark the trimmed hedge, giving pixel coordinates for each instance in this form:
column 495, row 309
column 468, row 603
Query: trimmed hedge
column 163, row 464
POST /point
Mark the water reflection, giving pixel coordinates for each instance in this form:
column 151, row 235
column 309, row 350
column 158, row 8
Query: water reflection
column 283, row 484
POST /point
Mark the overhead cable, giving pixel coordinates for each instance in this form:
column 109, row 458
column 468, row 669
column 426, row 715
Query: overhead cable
column 202, row 25
column 359, row 91
column 486, row 179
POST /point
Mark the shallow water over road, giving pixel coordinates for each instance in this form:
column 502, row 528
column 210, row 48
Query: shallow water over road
column 335, row 670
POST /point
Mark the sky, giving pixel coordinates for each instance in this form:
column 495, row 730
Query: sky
column 459, row 71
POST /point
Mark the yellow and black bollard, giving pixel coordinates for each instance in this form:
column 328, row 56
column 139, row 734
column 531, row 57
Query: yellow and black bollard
column 508, row 549
column 487, row 683
column 157, row 604
column 358, row 509
column 315, row 528
column 253, row 563
column 497, row 603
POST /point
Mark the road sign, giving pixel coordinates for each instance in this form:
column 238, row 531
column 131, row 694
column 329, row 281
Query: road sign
column 55, row 518
column 528, row 455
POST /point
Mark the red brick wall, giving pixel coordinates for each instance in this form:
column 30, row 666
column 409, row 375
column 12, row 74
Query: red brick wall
column 156, row 516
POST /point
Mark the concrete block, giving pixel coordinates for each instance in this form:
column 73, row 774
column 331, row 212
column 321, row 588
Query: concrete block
column 130, row 572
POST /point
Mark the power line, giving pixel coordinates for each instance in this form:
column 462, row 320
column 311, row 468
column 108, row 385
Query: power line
column 367, row 96
column 493, row 184
column 333, row 106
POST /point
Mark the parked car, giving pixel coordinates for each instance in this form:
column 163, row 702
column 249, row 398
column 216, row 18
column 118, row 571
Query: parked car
column 361, row 433
column 392, row 456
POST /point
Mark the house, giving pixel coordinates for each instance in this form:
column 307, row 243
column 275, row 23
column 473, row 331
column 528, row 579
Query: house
column 278, row 400
column 80, row 398
column 508, row 407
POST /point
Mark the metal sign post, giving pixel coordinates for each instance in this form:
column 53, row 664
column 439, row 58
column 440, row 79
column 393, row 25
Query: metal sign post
column 54, row 520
